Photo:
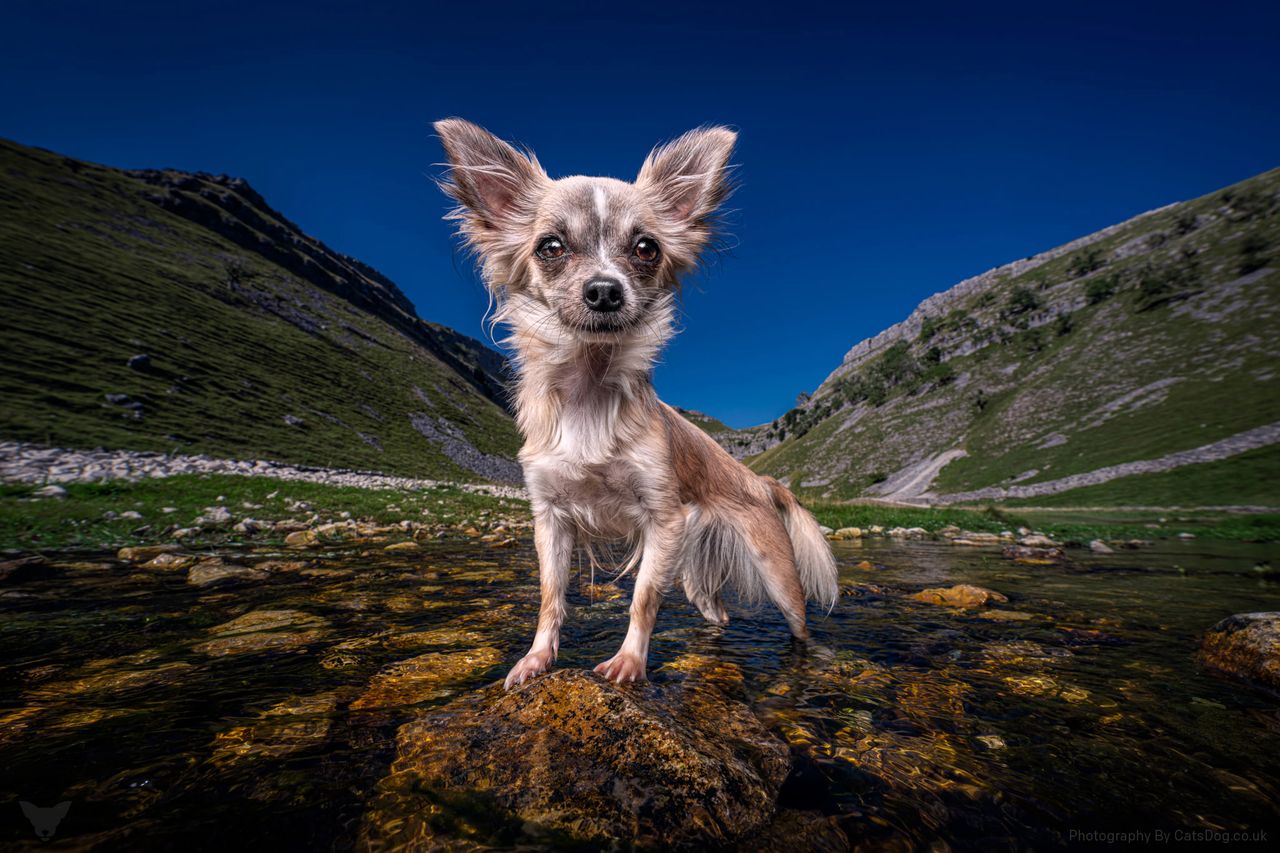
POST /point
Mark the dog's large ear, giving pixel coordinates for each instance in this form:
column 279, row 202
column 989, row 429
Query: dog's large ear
column 496, row 185
column 688, row 178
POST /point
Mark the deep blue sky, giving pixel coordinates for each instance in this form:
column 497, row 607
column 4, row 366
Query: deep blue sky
column 884, row 155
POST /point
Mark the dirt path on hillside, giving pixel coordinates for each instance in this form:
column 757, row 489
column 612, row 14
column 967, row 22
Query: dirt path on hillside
column 32, row 463
column 1231, row 446
column 908, row 484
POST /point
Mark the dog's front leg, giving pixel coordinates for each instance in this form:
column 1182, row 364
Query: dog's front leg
column 663, row 543
column 553, row 539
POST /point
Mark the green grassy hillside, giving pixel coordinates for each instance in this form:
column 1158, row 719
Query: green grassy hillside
column 1148, row 338
column 257, row 341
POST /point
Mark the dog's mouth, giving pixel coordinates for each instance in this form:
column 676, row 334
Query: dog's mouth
column 601, row 326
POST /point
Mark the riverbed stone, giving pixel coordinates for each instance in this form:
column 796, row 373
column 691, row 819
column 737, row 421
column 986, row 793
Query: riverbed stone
column 171, row 561
column 578, row 760
column 961, row 595
column 217, row 571
column 264, row 630
column 289, row 726
column 1246, row 645
column 428, row 676
column 143, row 553
column 301, row 539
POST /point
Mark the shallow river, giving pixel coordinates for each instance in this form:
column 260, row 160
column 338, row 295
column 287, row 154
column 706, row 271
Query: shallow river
column 170, row 715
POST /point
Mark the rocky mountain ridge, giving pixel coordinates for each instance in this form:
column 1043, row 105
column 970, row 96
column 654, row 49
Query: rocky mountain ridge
column 1132, row 345
column 180, row 313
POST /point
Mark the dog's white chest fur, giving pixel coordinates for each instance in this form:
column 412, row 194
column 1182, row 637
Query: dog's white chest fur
column 594, row 461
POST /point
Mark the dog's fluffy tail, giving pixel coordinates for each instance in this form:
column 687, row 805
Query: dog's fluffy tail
column 814, row 560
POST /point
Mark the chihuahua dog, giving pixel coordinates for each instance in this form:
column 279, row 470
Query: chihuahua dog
column 584, row 272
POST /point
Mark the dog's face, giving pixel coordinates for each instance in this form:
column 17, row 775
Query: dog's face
column 597, row 256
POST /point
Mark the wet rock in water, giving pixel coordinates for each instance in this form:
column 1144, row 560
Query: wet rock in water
column 103, row 677
column 143, row 553
column 793, row 829
column 171, row 561
column 424, row 677
column 215, row 571
column 281, row 565
column 930, row 700
column 24, row 568
column 447, row 636
column 607, row 591
column 1005, row 616
column 1246, row 645
column 285, row 728
column 847, row 533
column 301, row 538
column 1038, row 540
column 403, row 546
column 265, row 630
column 865, row 565
column 1032, row 556
column 968, row 537
column 1097, row 546
column 579, row 760
column 960, row 595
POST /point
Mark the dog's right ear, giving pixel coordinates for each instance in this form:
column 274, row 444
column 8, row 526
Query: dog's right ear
column 495, row 185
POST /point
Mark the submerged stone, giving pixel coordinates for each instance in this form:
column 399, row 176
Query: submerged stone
column 424, row 677
column 143, row 553
column 171, row 561
column 286, row 727
column 264, row 630
column 960, row 595
column 216, row 571
column 1246, row 645
column 578, row 760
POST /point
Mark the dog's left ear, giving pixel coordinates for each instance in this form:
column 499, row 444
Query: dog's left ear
column 689, row 178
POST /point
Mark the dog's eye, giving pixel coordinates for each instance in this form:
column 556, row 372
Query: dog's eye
column 551, row 249
column 646, row 250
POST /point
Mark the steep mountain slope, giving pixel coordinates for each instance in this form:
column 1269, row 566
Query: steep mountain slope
column 160, row 310
column 1150, row 342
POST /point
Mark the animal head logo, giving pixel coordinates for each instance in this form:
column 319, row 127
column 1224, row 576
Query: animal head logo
column 45, row 821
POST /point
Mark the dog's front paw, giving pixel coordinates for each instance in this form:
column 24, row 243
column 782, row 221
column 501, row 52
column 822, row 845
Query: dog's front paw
column 534, row 663
column 622, row 667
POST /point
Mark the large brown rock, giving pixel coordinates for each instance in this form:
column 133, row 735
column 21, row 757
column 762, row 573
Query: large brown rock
column 1246, row 645
column 570, row 758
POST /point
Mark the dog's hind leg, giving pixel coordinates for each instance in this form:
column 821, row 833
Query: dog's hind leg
column 771, row 548
column 710, row 606
column 553, row 539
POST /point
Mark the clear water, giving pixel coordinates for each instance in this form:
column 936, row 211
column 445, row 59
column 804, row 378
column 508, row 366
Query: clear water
column 915, row 725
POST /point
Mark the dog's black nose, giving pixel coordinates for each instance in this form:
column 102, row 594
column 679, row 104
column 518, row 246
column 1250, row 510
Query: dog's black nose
column 602, row 294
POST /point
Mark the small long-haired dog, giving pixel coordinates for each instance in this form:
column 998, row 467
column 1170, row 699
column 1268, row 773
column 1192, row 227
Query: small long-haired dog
column 584, row 271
